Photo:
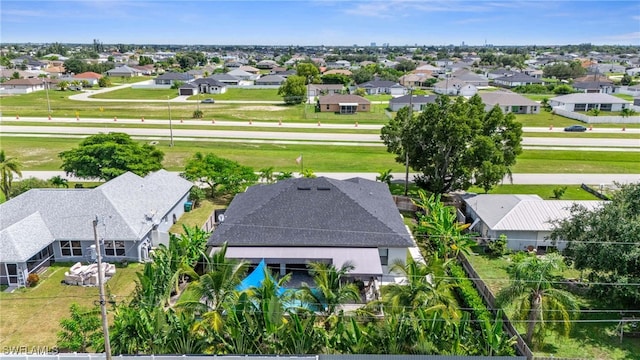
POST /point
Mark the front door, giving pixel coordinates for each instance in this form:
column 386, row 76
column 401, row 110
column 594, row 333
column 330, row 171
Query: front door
column 12, row 273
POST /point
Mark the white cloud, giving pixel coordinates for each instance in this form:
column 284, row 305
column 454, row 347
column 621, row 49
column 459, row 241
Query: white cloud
column 632, row 36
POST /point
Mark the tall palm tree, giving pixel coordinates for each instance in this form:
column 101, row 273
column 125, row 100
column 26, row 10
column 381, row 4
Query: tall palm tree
column 8, row 167
column 534, row 298
column 426, row 287
column 59, row 182
column 209, row 293
column 329, row 291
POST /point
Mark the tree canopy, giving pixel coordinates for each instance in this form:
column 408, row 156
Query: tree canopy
column 605, row 242
column 564, row 71
column 293, row 90
column 106, row 156
column 8, row 167
column 222, row 175
column 455, row 143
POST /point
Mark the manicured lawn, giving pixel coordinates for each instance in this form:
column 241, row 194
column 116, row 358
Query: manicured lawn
column 32, row 316
column 382, row 97
column 573, row 192
column 539, row 97
column 198, row 216
column 244, row 94
column 588, row 340
column 137, row 94
column 624, row 97
column 580, row 162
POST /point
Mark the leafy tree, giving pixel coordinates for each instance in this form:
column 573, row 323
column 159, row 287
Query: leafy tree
column 15, row 75
column 27, row 184
column 104, row 81
column 196, row 195
column 562, row 89
column 8, row 167
column 362, row 75
column 293, row 90
column 454, row 142
column 63, row 85
column 498, row 247
column 406, row 66
column 145, row 60
column 59, row 182
column 626, row 80
column 307, row 70
column 75, row 66
column 336, row 79
column 534, row 298
column 626, row 112
column 605, row 242
column 564, row 71
column 283, row 175
column 222, row 175
column 106, row 156
column 80, row 331
column 198, row 114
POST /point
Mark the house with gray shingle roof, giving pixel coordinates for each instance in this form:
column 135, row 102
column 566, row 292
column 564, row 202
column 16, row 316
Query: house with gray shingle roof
column 124, row 71
column 509, row 102
column 375, row 87
column 417, row 102
column 296, row 221
column 170, row 78
column 44, row 225
column 526, row 220
column 517, row 79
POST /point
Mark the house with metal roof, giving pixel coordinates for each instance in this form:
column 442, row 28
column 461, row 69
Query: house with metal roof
column 509, row 102
column 45, row 225
column 526, row 220
column 301, row 220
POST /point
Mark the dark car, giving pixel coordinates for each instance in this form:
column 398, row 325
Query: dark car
column 578, row 128
column 208, row 101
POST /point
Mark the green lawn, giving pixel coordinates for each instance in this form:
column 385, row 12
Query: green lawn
column 137, row 94
column 588, row 340
column 31, row 316
column 573, row 192
column 198, row 216
column 381, row 97
column 244, row 94
column 577, row 162
column 539, row 97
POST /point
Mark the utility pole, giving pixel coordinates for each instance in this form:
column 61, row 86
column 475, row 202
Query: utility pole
column 103, row 303
column 406, row 153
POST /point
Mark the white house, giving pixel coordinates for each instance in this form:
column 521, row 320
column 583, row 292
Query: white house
column 586, row 102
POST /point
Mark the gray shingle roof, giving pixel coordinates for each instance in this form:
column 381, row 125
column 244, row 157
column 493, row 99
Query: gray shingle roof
column 175, row 76
column 67, row 214
column 416, row 99
column 12, row 246
column 314, row 212
column 506, row 99
column 589, row 98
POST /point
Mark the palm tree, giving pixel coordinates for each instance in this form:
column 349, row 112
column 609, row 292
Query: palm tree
column 209, row 293
column 267, row 175
column 385, row 177
column 426, row 287
column 8, row 167
column 534, row 298
column 330, row 291
column 59, row 182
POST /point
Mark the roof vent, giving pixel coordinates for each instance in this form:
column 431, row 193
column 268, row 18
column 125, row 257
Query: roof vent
column 304, row 188
column 323, row 188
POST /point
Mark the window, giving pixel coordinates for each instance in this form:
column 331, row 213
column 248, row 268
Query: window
column 580, row 107
column 327, row 106
column 71, row 248
column 384, row 256
column 114, row 248
column 605, row 107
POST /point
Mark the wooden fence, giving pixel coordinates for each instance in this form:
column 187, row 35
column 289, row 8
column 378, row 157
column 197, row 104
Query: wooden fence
column 490, row 300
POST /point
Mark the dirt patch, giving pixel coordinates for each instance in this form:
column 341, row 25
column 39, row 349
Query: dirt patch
column 262, row 108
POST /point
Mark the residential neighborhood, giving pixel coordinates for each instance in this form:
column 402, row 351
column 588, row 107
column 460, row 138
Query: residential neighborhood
column 326, row 201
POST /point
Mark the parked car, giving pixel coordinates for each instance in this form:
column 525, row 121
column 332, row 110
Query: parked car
column 578, row 128
column 208, row 101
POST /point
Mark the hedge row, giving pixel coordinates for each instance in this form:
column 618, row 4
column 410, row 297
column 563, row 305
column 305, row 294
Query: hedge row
column 468, row 294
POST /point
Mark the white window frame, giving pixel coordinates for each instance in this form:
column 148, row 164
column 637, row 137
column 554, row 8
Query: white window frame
column 114, row 247
column 71, row 247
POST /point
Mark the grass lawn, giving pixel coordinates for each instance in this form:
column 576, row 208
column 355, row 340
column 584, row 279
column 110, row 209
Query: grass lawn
column 590, row 340
column 539, row 97
column 580, row 162
column 198, row 216
column 573, row 192
column 31, row 316
column 138, row 94
column 624, row 97
column 381, row 97
column 244, row 94
column 545, row 118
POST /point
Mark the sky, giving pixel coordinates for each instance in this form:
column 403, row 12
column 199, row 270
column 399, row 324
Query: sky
column 322, row 22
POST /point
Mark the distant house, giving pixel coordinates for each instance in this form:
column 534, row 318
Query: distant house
column 343, row 104
column 46, row 225
column 266, row 64
column 415, row 80
column 246, row 78
column 454, row 87
column 471, row 78
column 296, row 221
column 417, row 102
column 325, row 89
column 225, row 79
column 209, row 85
column 517, row 79
column 124, row 71
column 633, row 71
column 249, row 69
column 170, row 78
column 586, row 102
column 524, row 219
column 26, row 86
column 340, row 64
column 509, row 103
column 378, row 87
column 594, row 87
column 91, row 77
column 270, row 80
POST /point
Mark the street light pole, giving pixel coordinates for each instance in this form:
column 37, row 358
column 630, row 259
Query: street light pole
column 170, row 124
column 46, row 87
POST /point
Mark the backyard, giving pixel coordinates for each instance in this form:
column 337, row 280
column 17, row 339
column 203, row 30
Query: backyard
column 31, row 316
column 593, row 336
